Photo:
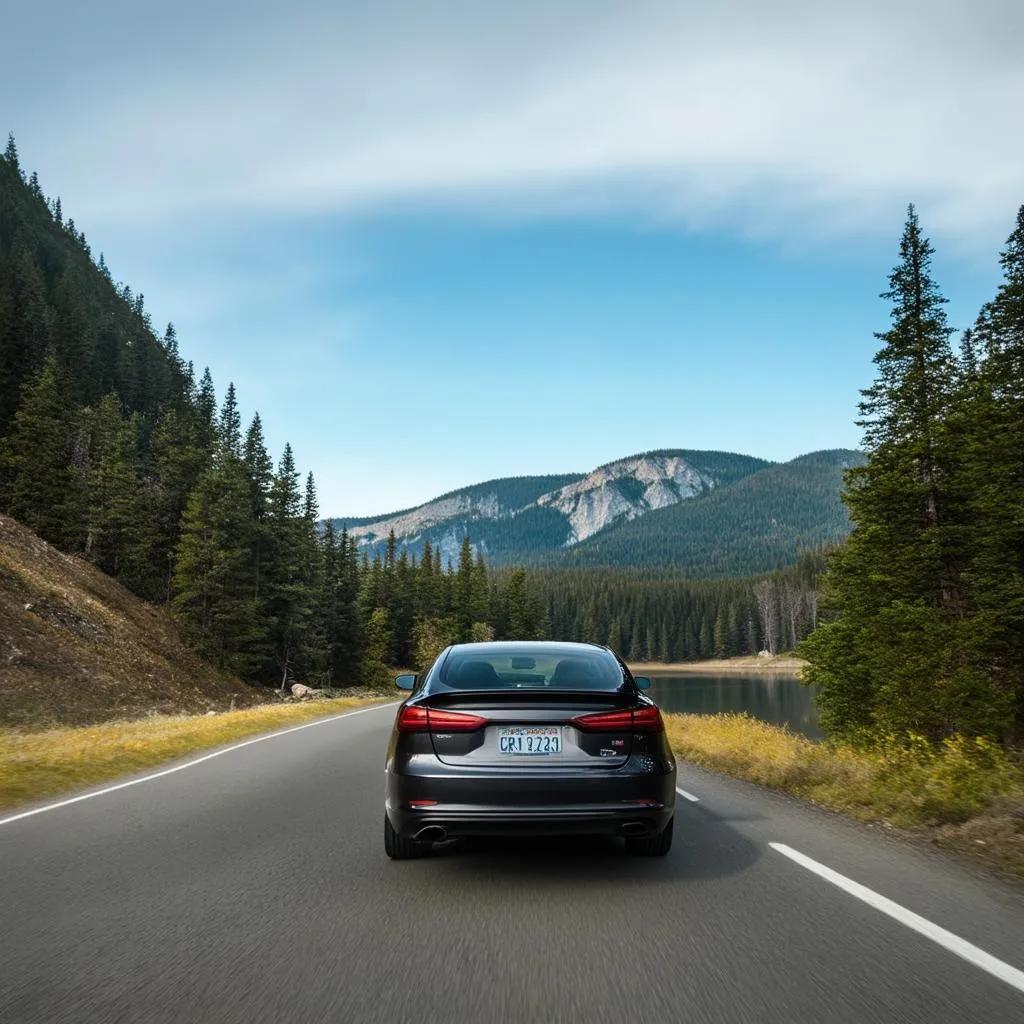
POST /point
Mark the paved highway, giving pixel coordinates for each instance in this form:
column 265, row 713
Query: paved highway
column 253, row 887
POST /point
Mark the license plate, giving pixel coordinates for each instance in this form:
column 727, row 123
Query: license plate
column 530, row 739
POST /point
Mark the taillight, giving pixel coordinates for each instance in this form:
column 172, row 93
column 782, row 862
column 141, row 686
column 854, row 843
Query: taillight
column 647, row 719
column 453, row 721
column 414, row 718
column 605, row 721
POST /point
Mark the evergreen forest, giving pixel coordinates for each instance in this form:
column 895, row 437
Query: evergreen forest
column 924, row 602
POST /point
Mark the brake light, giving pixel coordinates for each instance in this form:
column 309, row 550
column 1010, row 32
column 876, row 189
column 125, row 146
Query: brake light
column 415, row 718
column 646, row 719
column 453, row 721
column 605, row 721
column 412, row 719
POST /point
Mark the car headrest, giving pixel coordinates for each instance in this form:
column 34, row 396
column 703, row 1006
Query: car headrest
column 573, row 670
column 476, row 672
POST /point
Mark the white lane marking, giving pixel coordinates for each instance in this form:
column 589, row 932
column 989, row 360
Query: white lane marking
column 191, row 764
column 682, row 792
column 961, row 947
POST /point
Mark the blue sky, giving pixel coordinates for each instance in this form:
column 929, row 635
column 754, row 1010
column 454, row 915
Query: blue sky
column 437, row 243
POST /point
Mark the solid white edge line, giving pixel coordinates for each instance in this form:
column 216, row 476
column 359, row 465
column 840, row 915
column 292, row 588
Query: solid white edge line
column 192, row 763
column 682, row 792
column 961, row 947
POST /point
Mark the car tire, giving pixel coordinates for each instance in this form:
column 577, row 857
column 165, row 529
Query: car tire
column 399, row 847
column 652, row 846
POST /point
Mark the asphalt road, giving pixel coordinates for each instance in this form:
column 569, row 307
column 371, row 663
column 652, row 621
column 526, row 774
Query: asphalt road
column 253, row 887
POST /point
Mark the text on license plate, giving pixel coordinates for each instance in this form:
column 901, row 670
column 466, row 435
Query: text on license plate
column 530, row 739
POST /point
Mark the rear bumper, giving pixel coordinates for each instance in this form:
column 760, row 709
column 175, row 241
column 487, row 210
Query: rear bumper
column 593, row 803
column 554, row 821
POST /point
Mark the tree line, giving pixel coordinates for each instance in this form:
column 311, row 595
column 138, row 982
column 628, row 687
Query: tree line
column 925, row 600
column 648, row 616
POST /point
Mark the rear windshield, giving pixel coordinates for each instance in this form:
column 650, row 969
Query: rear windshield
column 494, row 670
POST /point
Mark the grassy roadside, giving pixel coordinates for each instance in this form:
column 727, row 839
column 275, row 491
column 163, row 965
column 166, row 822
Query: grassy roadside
column 37, row 765
column 967, row 796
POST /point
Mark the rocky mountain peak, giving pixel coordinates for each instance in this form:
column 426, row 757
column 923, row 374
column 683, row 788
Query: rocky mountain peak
column 624, row 490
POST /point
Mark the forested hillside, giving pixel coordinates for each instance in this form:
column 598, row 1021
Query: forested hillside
column 760, row 523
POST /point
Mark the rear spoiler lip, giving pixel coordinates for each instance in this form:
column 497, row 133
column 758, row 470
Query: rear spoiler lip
column 541, row 695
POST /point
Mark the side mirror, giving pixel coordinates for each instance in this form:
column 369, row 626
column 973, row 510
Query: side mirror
column 405, row 682
column 642, row 681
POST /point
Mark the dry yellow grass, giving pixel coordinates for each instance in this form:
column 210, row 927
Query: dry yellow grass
column 36, row 765
column 966, row 794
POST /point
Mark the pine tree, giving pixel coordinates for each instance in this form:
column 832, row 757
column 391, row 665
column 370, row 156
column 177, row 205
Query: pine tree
column 213, row 574
column 24, row 325
column 230, row 425
column 525, row 616
column 289, row 593
column 990, row 425
column 378, row 643
column 11, row 153
column 181, row 457
column 115, row 539
column 206, row 409
column 37, row 484
column 720, row 638
column 464, row 591
column 425, row 587
column 615, row 637
column 259, row 469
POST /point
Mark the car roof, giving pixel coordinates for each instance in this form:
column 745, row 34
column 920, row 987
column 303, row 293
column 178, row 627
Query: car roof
column 564, row 647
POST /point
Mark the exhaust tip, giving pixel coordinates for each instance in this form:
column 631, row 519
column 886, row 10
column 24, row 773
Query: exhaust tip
column 431, row 834
column 635, row 828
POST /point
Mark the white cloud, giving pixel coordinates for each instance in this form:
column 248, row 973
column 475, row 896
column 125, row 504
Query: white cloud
column 790, row 119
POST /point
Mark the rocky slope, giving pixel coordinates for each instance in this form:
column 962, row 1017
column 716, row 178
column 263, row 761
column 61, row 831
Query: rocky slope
column 625, row 490
column 77, row 648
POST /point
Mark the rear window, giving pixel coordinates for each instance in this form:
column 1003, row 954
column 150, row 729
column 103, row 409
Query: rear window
column 540, row 669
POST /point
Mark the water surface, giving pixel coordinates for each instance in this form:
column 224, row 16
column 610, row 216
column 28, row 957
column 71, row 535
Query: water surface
column 773, row 697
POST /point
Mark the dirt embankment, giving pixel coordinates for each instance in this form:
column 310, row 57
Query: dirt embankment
column 76, row 648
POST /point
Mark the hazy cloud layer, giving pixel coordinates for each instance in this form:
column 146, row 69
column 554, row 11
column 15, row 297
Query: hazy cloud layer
column 792, row 118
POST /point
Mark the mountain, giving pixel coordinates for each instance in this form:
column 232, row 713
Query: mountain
column 631, row 487
column 523, row 519
column 500, row 516
column 762, row 522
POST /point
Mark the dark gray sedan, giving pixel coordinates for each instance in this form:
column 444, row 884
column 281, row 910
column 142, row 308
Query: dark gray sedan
column 525, row 738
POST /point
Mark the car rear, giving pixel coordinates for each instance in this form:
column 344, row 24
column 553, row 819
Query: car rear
column 518, row 739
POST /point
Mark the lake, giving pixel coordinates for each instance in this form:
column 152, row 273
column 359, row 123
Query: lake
column 772, row 697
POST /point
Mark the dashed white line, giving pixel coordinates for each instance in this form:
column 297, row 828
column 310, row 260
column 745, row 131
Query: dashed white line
column 189, row 764
column 688, row 796
column 961, row 947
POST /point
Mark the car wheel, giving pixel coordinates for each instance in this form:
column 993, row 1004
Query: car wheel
column 398, row 847
column 653, row 846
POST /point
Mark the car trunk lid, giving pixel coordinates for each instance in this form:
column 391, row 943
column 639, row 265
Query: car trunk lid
column 535, row 729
